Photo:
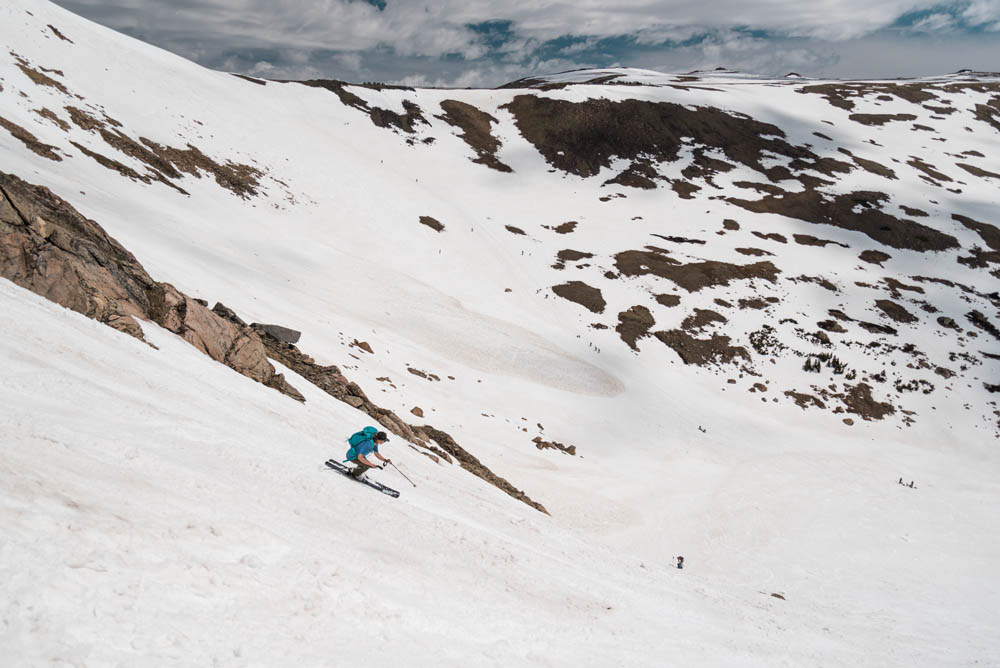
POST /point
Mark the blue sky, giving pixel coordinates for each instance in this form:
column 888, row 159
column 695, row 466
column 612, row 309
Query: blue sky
column 480, row 43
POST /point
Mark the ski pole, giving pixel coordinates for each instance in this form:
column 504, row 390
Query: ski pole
column 403, row 474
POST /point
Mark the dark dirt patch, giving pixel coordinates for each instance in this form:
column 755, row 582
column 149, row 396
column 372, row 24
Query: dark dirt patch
column 895, row 311
column 874, row 257
column 515, row 230
column 476, row 126
column 583, row 137
column 859, row 212
column 753, row 252
column 125, row 170
column 896, row 287
column 989, row 113
column 566, row 227
column 702, row 352
column 947, row 111
column 634, row 324
column 981, row 321
column 831, row 326
column 84, row 120
column 240, row 179
column 818, row 280
column 40, row 78
column 976, row 171
column 809, row 240
column 871, row 166
column 990, row 234
column 680, row 240
column 773, row 236
column 426, row 375
column 553, row 445
column 640, row 174
column 259, row 82
column 30, row 140
column 928, row 169
column 55, row 31
column 432, row 223
column 730, row 224
column 880, row 119
column 755, row 303
column 823, row 136
column 580, row 293
column 569, row 255
column 470, row 463
column 842, row 94
column 910, row 211
column 875, row 328
column 803, row 400
column 859, row 401
column 668, row 300
column 922, row 128
column 383, row 118
column 51, row 115
column 684, row 189
column 700, row 319
column 695, row 276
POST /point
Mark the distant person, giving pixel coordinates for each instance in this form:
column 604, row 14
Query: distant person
column 363, row 444
column 680, row 562
column 900, row 481
column 911, row 485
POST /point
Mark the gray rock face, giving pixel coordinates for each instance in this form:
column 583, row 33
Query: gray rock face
column 47, row 247
column 283, row 334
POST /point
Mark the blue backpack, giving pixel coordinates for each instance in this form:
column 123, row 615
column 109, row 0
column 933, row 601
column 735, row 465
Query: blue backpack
column 368, row 433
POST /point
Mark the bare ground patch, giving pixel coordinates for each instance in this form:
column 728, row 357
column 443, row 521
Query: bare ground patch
column 580, row 293
column 857, row 211
column 30, row 140
column 476, row 127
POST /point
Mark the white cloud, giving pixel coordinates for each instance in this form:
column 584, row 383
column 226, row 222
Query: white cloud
column 416, row 42
column 935, row 23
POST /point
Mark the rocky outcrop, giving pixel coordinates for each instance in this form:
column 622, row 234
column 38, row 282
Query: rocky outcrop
column 49, row 248
column 332, row 381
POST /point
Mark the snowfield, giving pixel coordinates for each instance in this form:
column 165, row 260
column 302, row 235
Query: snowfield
column 157, row 508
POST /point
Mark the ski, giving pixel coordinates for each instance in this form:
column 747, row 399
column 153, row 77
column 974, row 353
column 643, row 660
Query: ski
column 345, row 470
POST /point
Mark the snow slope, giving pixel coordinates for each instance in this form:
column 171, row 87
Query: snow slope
column 159, row 509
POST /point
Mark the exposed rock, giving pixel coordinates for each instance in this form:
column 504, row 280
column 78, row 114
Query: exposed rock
column 432, row 223
column 30, row 140
column 476, row 126
column 47, row 247
column 857, row 211
column 692, row 277
column 702, row 352
column 582, row 294
column 874, row 257
column 553, row 445
column 634, row 324
column 859, row 401
column 474, row 466
column 895, row 311
column 283, row 334
column 418, row 411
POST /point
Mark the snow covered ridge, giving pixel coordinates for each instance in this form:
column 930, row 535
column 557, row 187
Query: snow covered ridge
column 829, row 242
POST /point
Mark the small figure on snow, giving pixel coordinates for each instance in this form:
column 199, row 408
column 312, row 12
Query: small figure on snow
column 363, row 444
column 900, row 481
column 680, row 562
column 911, row 485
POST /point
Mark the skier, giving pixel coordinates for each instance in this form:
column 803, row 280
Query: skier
column 358, row 454
column 680, row 562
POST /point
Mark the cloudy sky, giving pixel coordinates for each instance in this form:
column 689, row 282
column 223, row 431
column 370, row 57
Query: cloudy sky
column 489, row 43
